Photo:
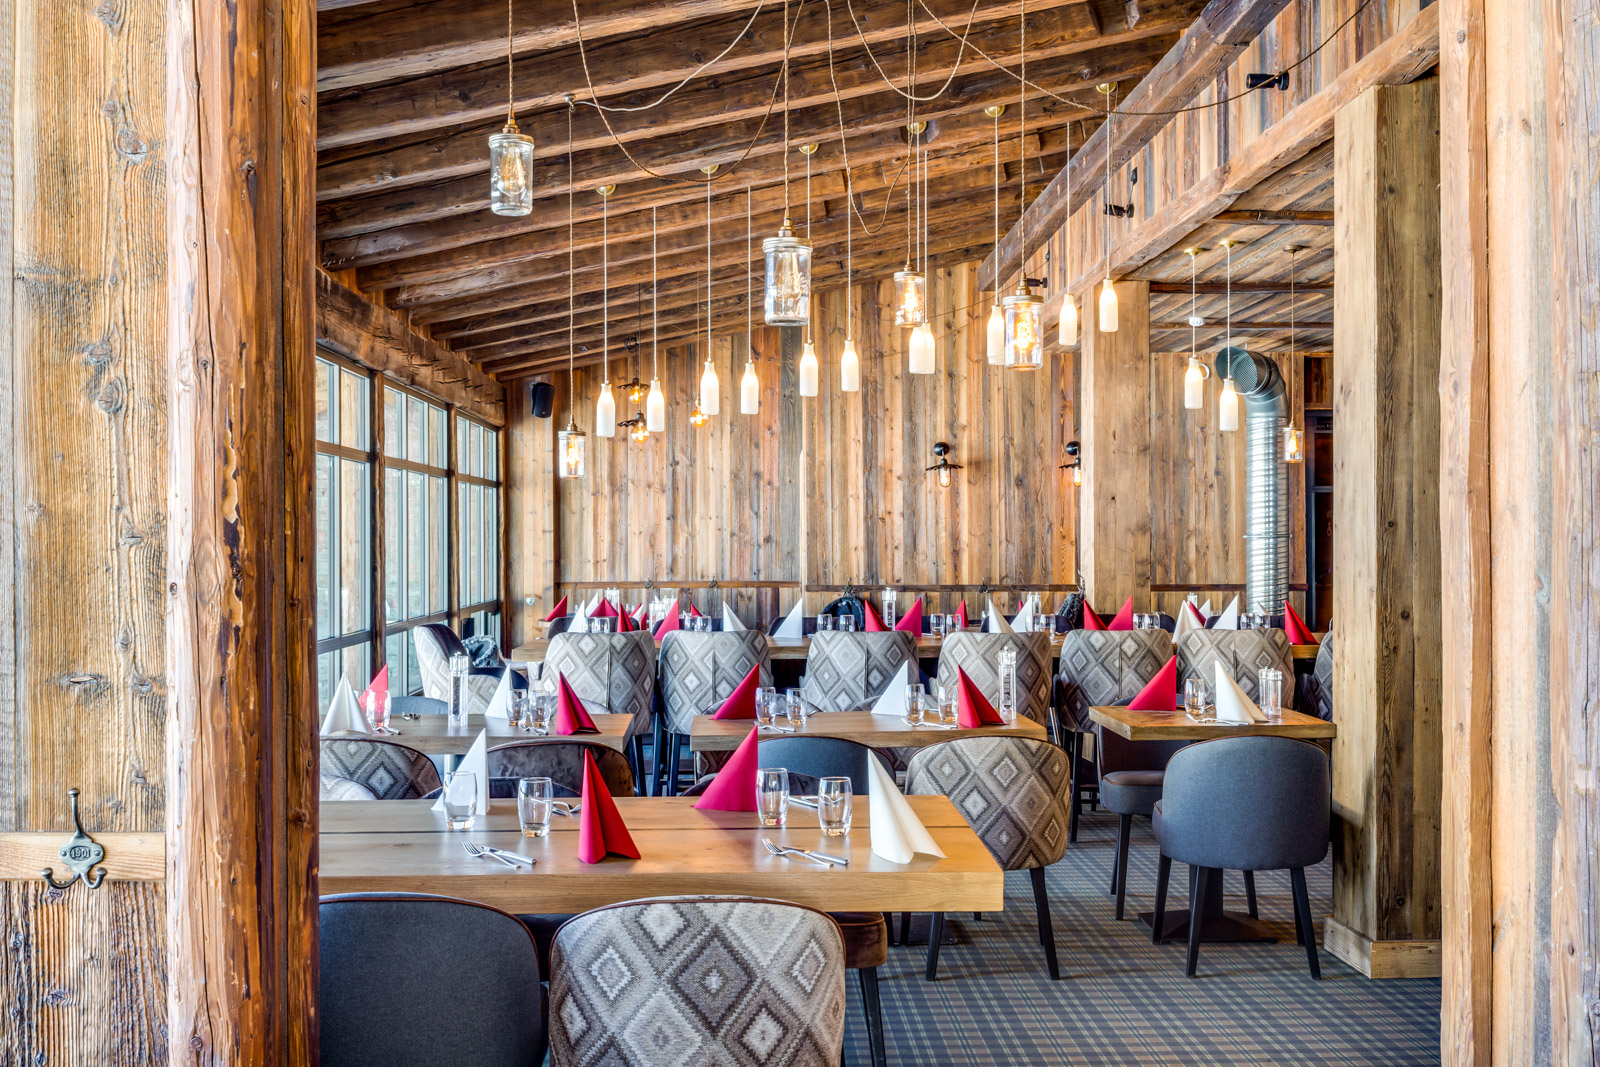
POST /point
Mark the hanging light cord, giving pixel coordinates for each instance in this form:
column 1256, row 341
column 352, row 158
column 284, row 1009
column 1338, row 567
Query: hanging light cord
column 571, row 393
column 750, row 282
column 708, row 270
column 1022, row 130
column 1229, row 249
column 1194, row 347
column 511, row 94
column 785, row 108
column 849, row 259
column 997, row 197
column 1296, row 252
column 1111, row 118
column 655, row 299
column 605, row 285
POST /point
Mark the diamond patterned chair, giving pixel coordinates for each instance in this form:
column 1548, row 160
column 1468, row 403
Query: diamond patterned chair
column 436, row 643
column 386, row 769
column 1319, row 685
column 617, row 670
column 1100, row 668
column 978, row 654
column 736, row 982
column 335, row 788
column 1012, row 791
column 1242, row 653
column 698, row 672
column 847, row 670
column 561, row 760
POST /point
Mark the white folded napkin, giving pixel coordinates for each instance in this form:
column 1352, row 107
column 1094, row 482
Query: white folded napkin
column 893, row 699
column 1205, row 610
column 1187, row 621
column 1023, row 623
column 897, row 833
column 500, row 704
column 794, row 623
column 994, row 622
column 730, row 621
column 580, row 614
column 1229, row 619
column 1231, row 703
column 475, row 762
column 344, row 714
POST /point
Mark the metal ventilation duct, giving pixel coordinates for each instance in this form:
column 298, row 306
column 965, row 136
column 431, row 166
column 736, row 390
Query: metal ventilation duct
column 1261, row 388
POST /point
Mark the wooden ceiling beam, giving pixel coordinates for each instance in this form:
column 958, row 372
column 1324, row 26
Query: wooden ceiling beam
column 1276, row 218
column 1238, row 287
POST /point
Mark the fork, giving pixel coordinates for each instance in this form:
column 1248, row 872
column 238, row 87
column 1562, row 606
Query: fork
column 480, row 852
column 815, row 857
column 567, row 809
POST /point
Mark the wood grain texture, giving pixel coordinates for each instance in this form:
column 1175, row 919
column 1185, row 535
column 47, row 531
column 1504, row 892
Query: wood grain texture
column 242, row 714
column 880, row 731
column 432, row 734
column 129, row 857
column 1176, row 726
column 1381, row 959
column 1387, row 758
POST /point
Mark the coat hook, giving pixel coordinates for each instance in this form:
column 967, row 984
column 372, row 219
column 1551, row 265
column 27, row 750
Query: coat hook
column 80, row 854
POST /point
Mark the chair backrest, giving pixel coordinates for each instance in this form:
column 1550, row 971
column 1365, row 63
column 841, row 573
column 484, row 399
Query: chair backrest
column 808, row 625
column 436, row 643
column 845, row 670
column 389, row 770
column 561, row 761
column 1104, row 668
column 1320, row 682
column 1113, row 752
column 1246, row 804
column 979, row 655
column 698, row 671
column 417, row 706
column 1012, row 790
column 398, row 969
column 618, row 670
column 335, row 788
column 559, row 626
column 697, row 980
column 1242, row 654
column 811, row 758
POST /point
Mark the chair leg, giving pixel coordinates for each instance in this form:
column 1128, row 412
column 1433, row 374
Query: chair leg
column 641, row 779
column 1201, row 878
column 977, row 916
column 674, row 760
column 1302, row 910
column 658, row 755
column 1299, row 931
column 1250, row 893
column 1163, row 873
column 1074, row 748
column 1047, row 929
column 1124, row 832
column 905, row 928
column 935, row 935
column 872, row 1008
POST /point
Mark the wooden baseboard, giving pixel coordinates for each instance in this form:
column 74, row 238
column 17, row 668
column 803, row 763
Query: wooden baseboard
column 1382, row 959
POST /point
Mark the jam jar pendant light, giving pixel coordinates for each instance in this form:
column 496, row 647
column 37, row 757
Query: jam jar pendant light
column 1228, row 403
column 788, row 258
column 710, row 387
column 571, row 443
column 1024, row 308
column 1294, row 442
column 810, row 372
column 749, row 384
column 910, row 283
column 605, row 408
column 1107, row 320
column 1194, row 378
column 510, row 153
column 995, row 333
column 655, row 405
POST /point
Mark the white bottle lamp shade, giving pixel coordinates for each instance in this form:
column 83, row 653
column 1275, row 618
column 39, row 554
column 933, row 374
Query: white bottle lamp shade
column 788, row 263
column 1067, row 326
column 997, row 335
column 710, row 390
column 655, row 408
column 605, row 412
column 849, row 368
column 1108, row 307
column 749, row 390
column 1228, row 407
column 809, row 371
column 920, row 350
column 1194, row 384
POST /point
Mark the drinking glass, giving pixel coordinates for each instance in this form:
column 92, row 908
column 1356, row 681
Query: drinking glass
column 914, row 701
column 460, row 799
column 535, row 799
column 834, row 809
column 947, row 704
column 825, row 622
column 517, row 711
column 377, row 711
column 936, row 625
column 541, row 709
column 1194, row 696
column 772, row 795
column 950, row 625
column 847, row 622
column 766, row 697
column 1269, row 693
column 795, row 708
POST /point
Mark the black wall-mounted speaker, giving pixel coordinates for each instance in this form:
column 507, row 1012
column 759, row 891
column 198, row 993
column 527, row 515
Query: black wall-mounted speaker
column 544, row 399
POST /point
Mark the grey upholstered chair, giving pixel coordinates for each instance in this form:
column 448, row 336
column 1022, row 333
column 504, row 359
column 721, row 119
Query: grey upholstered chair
column 398, row 969
column 1319, row 684
column 1130, row 775
column 812, row 758
column 436, row 643
column 633, row 985
column 698, row 672
column 386, row 769
column 1242, row 654
column 399, row 706
column 561, row 760
column 979, row 655
column 1100, row 668
column 616, row 670
column 846, row 670
column 1012, row 791
column 1248, row 804
column 335, row 788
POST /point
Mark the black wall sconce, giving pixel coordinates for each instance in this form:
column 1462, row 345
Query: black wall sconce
column 1278, row 81
column 944, row 466
column 1076, row 466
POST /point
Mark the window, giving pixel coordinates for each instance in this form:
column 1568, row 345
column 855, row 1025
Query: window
column 478, row 524
column 344, row 527
column 416, row 477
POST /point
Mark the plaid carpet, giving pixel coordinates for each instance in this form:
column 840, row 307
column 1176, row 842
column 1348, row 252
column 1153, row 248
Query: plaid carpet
column 1122, row 1000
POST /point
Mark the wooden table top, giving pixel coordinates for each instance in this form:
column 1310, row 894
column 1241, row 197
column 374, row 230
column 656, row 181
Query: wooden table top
column 1177, row 726
column 797, row 648
column 432, row 735
column 880, row 731
column 390, row 846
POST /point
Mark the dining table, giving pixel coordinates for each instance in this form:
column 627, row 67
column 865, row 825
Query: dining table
column 707, row 734
column 432, row 735
column 404, row 846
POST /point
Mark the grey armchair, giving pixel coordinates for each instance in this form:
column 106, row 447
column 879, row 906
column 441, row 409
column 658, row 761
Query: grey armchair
column 698, row 672
column 615, row 670
column 846, row 670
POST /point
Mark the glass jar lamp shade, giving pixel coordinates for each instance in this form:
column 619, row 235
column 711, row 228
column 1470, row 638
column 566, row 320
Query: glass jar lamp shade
column 655, row 408
column 849, row 368
column 1294, row 444
column 571, row 452
column 510, row 172
column 910, row 297
column 920, row 350
column 605, row 412
column 788, row 292
column 996, row 336
column 710, row 390
column 1067, row 325
column 1024, row 329
column 810, row 372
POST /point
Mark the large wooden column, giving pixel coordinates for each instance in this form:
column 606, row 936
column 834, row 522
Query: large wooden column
column 1114, row 433
column 1386, row 759
column 241, row 683
column 532, row 508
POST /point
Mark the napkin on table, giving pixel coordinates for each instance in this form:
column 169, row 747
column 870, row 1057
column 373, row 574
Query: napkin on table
column 625, row 623
column 972, row 707
column 893, row 699
column 476, row 763
column 671, row 622
column 874, row 623
column 911, row 622
column 730, row 619
column 1205, row 610
column 571, row 716
column 500, row 704
column 694, row 612
column 601, row 831
column 1188, row 619
column 994, row 622
column 344, row 717
column 1295, row 627
column 1229, row 619
column 741, row 703
column 1123, row 620
column 558, row 611
column 1024, row 619
column 961, row 614
column 734, row 787
column 794, row 623
column 1091, row 621
column 580, row 616
column 379, row 685
column 605, row 610
column 1231, row 703
column 897, row 833
column 1161, row 692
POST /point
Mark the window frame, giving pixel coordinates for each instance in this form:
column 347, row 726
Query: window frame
column 348, row 453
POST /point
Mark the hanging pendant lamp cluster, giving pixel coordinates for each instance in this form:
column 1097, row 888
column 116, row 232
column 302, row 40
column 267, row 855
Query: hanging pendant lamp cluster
column 1195, row 375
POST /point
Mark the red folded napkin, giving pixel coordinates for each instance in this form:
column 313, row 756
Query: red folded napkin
column 601, row 831
column 961, row 614
column 741, row 703
column 1161, row 692
column 379, row 684
column 558, row 611
column 694, row 612
column 1091, row 621
column 912, row 623
column 571, row 716
column 1124, row 618
column 668, row 623
column 874, row 620
column 604, row 611
column 1295, row 627
column 734, row 787
column 625, row 623
column 972, row 707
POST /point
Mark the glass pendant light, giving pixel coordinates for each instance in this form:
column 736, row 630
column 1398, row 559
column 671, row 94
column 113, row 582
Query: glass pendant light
column 510, row 153
column 1194, row 378
column 995, row 334
column 655, row 406
column 1228, row 403
column 571, row 443
column 1294, row 450
column 849, row 361
column 710, row 387
column 787, row 257
column 910, row 282
column 605, row 408
column 1107, row 320
column 1024, row 308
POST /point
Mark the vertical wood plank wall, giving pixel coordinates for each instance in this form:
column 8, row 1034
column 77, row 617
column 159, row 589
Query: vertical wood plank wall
column 83, row 558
